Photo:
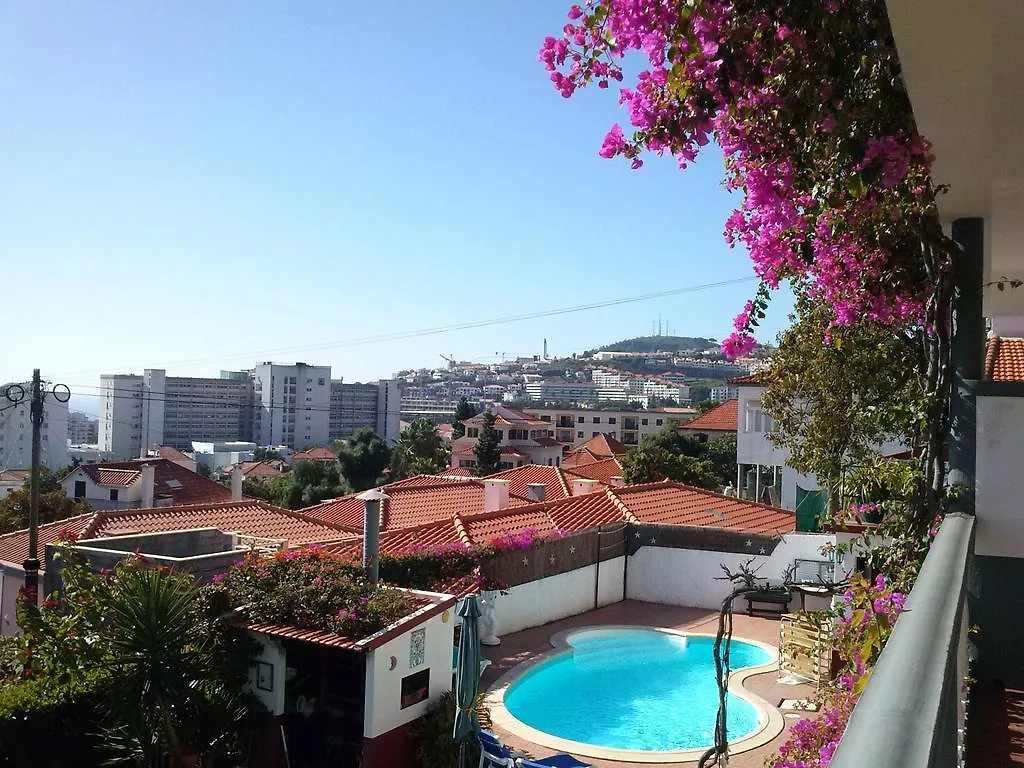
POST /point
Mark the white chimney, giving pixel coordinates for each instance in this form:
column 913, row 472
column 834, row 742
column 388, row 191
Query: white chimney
column 147, row 480
column 618, row 481
column 495, row 495
column 583, row 486
column 536, row 491
column 236, row 483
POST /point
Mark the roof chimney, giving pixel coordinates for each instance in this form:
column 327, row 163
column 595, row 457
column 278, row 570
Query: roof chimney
column 372, row 501
column 618, row 481
column 147, row 478
column 536, row 491
column 495, row 494
column 236, row 483
column 584, row 486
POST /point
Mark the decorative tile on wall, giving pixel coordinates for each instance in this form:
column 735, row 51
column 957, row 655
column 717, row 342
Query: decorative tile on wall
column 417, row 647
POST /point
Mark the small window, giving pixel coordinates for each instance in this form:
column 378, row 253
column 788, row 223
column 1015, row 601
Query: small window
column 658, row 422
column 79, row 489
column 611, row 419
column 594, row 434
column 113, row 494
column 580, row 419
column 579, row 434
column 320, row 381
column 597, row 420
column 173, row 483
column 644, row 422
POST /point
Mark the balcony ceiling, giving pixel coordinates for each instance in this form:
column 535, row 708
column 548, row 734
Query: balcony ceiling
column 962, row 63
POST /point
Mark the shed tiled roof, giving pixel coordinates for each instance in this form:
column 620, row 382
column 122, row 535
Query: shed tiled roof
column 1004, row 359
column 173, row 454
column 458, row 472
column 601, row 446
column 262, row 468
column 316, row 453
column 721, row 418
column 754, row 379
column 577, row 513
column 520, row 478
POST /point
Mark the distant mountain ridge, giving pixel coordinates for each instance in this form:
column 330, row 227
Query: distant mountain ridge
column 642, row 344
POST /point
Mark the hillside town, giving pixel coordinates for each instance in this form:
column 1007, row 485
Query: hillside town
column 791, row 541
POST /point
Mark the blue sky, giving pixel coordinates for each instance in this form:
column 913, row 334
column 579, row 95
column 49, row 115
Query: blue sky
column 194, row 185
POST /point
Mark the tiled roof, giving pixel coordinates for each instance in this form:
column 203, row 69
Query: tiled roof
column 486, row 526
column 755, row 379
column 508, row 417
column 547, row 442
column 264, row 468
column 721, row 418
column 316, row 453
column 603, row 471
column 602, row 447
column 677, row 504
column 1004, row 359
column 577, row 513
column 14, row 545
column 458, row 472
column 419, row 480
column 429, row 536
column 173, row 454
column 14, row 475
column 170, row 480
column 521, row 477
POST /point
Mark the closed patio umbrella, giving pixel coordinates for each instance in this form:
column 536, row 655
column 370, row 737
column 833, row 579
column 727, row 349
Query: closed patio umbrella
column 467, row 677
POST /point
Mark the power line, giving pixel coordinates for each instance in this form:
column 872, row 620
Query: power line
column 446, row 328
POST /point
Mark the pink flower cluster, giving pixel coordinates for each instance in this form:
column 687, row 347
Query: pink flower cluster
column 524, row 539
column 718, row 71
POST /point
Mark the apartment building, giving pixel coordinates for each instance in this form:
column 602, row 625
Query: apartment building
column 375, row 405
column 577, row 426
column 16, row 430
column 272, row 404
column 727, row 392
column 292, row 404
column 524, row 439
column 83, row 429
column 139, row 412
column 557, row 390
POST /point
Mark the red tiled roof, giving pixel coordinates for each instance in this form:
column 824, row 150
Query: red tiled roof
column 677, row 504
column 255, row 518
column 755, row 379
column 1004, row 359
column 486, row 526
column 14, row 545
column 577, row 513
column 173, row 454
column 419, row 480
column 458, row 472
column 507, row 417
column 264, row 468
column 721, row 418
column 316, row 453
column 429, row 536
column 520, row 478
column 601, row 446
column 547, row 442
column 14, row 475
column 603, row 471
column 170, row 480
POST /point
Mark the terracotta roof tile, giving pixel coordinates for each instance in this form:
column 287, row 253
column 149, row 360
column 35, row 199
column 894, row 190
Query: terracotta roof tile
column 173, row 454
column 601, row 447
column 431, row 536
column 1004, row 359
column 678, row 504
column 458, row 472
column 482, row 528
column 14, row 545
column 14, row 475
column 255, row 518
column 603, row 471
column 420, row 480
column 264, row 468
column 316, row 453
column 520, row 478
column 578, row 513
column 754, row 379
column 722, row 418
column 170, row 480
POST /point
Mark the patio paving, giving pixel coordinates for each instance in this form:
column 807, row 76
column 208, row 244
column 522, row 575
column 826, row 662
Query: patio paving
column 522, row 646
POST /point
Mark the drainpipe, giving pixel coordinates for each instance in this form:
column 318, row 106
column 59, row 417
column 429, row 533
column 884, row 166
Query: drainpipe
column 372, row 500
column 967, row 348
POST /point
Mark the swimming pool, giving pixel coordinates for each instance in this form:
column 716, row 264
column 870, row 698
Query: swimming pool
column 633, row 689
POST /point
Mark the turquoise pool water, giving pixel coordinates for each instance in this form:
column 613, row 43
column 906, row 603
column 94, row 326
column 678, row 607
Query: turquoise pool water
column 633, row 689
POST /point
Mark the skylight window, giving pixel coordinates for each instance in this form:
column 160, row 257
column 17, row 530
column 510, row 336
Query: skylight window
column 172, row 483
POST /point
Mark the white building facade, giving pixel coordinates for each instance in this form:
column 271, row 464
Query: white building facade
column 293, row 404
column 577, row 425
column 16, row 430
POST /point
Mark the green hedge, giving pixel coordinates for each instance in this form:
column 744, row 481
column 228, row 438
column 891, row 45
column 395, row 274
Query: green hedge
column 44, row 723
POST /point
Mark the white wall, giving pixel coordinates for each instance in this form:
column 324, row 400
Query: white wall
column 557, row 597
column 16, row 432
column 1000, row 440
column 271, row 652
column 690, row 577
column 382, row 709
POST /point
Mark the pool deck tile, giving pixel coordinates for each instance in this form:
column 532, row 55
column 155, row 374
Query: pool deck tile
column 522, row 646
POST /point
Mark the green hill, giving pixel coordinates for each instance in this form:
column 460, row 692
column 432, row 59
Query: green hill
column 643, row 344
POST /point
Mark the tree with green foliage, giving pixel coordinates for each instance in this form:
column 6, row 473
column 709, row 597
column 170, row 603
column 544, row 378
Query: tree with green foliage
column 669, row 454
column 53, row 505
column 488, row 447
column 464, row 410
column 704, row 406
column 261, row 454
column 720, row 452
column 309, row 482
column 835, row 403
column 418, row 451
column 363, row 459
column 49, row 479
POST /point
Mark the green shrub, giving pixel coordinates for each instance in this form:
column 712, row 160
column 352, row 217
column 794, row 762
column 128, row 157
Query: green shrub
column 46, row 723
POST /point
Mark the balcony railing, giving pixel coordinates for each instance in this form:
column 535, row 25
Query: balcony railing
column 912, row 711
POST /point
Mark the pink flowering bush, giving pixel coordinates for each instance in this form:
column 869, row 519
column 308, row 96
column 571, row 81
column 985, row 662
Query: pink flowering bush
column 525, row 539
column 861, row 626
column 806, row 102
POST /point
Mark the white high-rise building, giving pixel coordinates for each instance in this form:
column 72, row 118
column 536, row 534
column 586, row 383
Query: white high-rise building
column 16, row 431
column 292, row 404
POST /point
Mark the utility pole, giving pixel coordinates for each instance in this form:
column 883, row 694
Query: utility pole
column 31, row 563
